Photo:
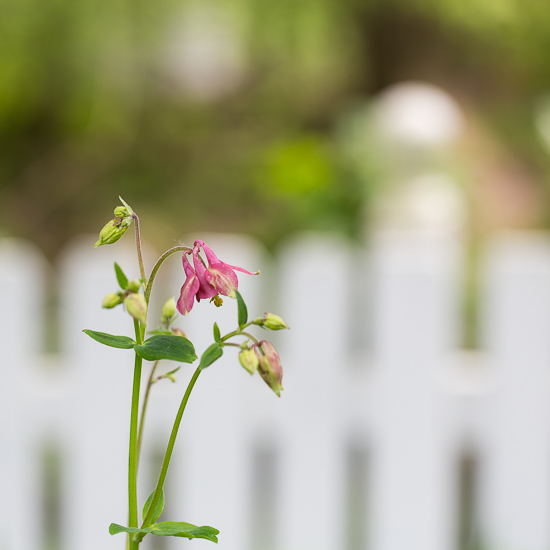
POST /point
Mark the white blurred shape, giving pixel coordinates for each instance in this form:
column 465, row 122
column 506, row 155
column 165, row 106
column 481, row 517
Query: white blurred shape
column 419, row 115
column 205, row 55
column 428, row 202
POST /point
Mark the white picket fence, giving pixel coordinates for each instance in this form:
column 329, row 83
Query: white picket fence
column 363, row 449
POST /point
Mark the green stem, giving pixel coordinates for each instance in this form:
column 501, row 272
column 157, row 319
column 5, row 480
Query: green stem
column 132, row 455
column 144, row 410
column 170, row 448
column 138, row 246
column 160, row 261
column 239, row 332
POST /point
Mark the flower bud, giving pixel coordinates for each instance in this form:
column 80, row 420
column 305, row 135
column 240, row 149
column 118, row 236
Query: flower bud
column 178, row 332
column 269, row 366
column 122, row 212
column 136, row 306
column 134, row 285
column 249, row 360
column 113, row 230
column 111, row 300
column 169, row 309
column 271, row 322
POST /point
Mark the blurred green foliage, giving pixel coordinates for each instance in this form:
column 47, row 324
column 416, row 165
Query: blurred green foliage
column 223, row 118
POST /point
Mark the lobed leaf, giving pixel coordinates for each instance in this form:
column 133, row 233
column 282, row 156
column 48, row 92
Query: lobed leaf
column 166, row 346
column 184, row 530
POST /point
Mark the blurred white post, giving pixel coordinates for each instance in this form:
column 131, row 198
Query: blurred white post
column 21, row 279
column 516, row 463
column 315, row 283
column 413, row 498
column 416, row 258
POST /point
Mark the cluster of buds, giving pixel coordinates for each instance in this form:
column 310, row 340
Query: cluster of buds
column 114, row 229
column 263, row 357
column 132, row 299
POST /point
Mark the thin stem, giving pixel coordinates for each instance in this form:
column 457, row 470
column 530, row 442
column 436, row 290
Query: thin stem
column 144, row 410
column 170, row 448
column 253, row 338
column 160, row 261
column 138, row 246
column 132, row 454
column 240, row 332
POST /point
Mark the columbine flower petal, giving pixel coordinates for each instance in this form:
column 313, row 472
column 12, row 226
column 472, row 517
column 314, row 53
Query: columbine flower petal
column 189, row 289
column 205, row 289
column 219, row 277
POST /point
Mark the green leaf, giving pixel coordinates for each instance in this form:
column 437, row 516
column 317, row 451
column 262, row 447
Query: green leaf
column 185, row 530
column 243, row 312
column 164, row 346
column 120, row 277
column 158, row 508
column 115, row 529
column 212, row 353
column 160, row 331
column 122, row 342
column 217, row 335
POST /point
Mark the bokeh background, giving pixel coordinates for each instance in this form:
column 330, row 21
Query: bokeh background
column 238, row 116
column 274, row 118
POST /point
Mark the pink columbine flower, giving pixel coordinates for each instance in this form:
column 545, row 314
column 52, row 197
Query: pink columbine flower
column 189, row 288
column 203, row 282
column 269, row 366
column 218, row 277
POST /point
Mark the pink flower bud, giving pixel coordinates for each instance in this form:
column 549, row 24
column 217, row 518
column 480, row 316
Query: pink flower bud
column 269, row 367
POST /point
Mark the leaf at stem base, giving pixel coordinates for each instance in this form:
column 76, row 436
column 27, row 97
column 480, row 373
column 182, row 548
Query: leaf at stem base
column 158, row 508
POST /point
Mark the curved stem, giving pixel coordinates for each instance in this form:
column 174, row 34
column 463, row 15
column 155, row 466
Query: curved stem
column 253, row 338
column 132, row 455
column 154, row 272
column 170, row 448
column 239, row 332
column 138, row 246
column 144, row 410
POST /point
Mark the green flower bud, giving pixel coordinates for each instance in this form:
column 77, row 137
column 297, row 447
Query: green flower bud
column 134, row 285
column 169, row 309
column 111, row 300
column 136, row 306
column 113, row 230
column 271, row 322
column 121, row 212
column 249, row 360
